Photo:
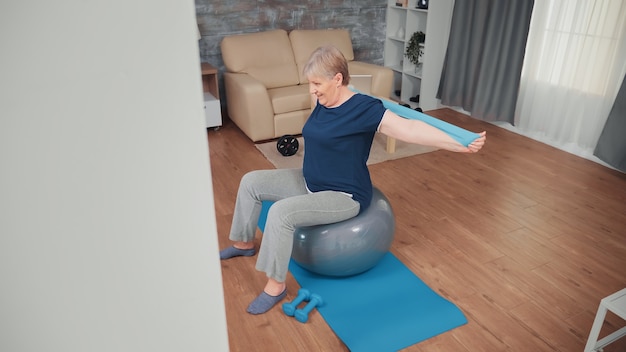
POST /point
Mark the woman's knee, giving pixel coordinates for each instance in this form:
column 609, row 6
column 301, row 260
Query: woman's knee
column 251, row 181
column 251, row 177
column 279, row 212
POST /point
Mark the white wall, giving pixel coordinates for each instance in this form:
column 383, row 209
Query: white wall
column 107, row 226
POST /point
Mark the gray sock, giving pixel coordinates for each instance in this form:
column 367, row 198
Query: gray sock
column 265, row 302
column 236, row 252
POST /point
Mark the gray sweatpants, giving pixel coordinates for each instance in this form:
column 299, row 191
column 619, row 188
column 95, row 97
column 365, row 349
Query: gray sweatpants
column 294, row 207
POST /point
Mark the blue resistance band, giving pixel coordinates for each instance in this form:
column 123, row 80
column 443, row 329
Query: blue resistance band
column 461, row 135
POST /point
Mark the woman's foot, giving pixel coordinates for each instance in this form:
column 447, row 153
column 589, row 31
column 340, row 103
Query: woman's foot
column 265, row 302
column 233, row 251
column 273, row 293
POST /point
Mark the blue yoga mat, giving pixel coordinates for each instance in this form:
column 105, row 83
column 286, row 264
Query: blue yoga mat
column 387, row 308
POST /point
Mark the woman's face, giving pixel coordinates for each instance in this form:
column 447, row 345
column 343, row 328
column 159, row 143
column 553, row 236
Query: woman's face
column 326, row 90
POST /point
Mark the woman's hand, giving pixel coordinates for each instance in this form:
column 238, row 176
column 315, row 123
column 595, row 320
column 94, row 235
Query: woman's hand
column 420, row 132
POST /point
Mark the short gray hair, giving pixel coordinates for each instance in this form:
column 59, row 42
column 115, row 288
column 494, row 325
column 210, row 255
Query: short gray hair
column 327, row 61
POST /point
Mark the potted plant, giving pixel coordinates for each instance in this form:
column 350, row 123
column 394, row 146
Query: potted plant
column 414, row 49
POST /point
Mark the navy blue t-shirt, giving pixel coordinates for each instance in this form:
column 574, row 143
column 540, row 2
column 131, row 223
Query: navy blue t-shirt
column 337, row 145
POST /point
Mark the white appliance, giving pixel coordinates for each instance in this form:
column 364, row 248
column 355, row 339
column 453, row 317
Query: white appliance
column 212, row 111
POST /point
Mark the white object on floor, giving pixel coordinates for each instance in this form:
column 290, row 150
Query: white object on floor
column 212, row 111
column 615, row 303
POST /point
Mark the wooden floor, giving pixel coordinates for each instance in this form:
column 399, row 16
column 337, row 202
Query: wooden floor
column 525, row 239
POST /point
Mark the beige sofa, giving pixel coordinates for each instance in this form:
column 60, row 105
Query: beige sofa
column 266, row 94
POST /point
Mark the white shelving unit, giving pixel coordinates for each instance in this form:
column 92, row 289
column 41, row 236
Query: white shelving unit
column 402, row 22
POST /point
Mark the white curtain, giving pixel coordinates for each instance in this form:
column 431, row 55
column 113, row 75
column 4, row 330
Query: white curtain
column 573, row 67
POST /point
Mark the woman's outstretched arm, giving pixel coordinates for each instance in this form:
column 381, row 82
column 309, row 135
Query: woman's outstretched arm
column 419, row 132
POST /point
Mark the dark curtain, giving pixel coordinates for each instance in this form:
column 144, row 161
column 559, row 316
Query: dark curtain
column 483, row 63
column 611, row 146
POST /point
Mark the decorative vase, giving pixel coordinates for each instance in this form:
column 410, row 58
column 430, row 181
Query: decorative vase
column 418, row 69
column 400, row 33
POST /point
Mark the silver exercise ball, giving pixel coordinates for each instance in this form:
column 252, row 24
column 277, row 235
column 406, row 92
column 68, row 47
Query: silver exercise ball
column 348, row 247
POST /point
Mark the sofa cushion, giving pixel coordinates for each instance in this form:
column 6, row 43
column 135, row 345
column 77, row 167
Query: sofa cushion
column 288, row 99
column 266, row 56
column 305, row 41
column 291, row 122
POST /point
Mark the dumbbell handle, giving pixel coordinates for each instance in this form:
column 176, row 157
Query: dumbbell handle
column 302, row 315
column 290, row 307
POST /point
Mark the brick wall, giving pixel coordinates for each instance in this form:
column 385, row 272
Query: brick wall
column 365, row 19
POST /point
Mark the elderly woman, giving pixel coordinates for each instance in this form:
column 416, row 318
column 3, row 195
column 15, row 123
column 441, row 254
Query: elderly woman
column 334, row 183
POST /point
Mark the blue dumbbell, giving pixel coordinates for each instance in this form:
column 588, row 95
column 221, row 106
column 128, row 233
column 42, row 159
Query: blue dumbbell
column 290, row 307
column 302, row 315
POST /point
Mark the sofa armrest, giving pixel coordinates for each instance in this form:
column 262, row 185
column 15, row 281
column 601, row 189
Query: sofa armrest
column 249, row 106
column 382, row 77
